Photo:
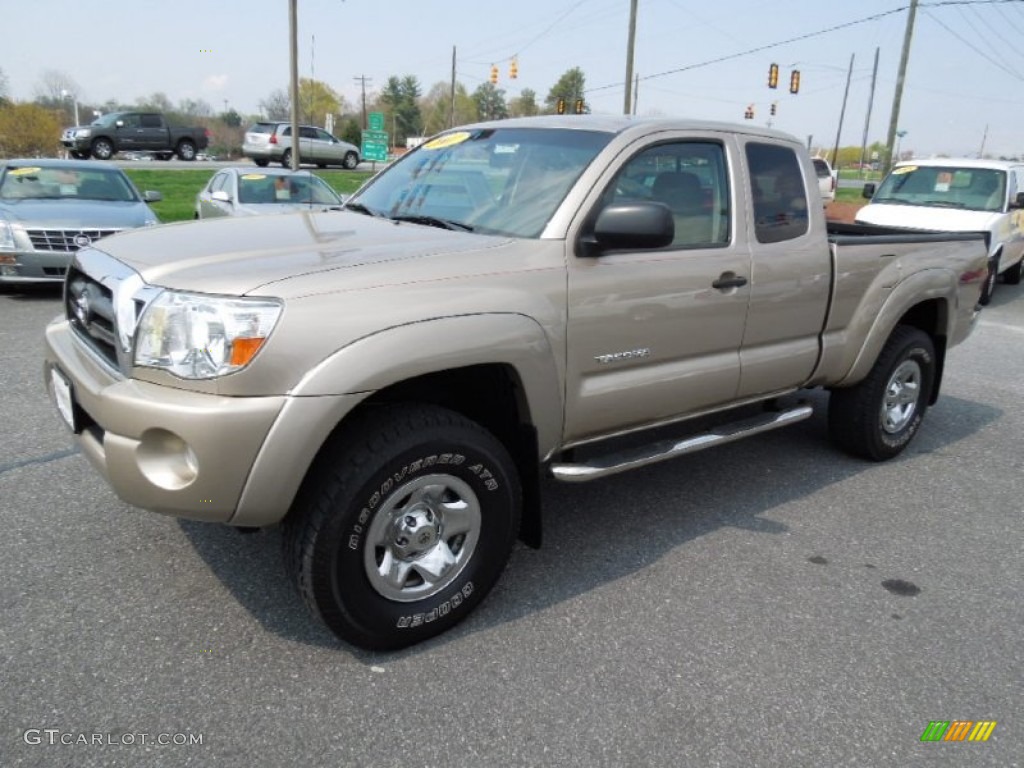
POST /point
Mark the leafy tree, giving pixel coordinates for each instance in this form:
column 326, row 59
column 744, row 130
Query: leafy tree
column 351, row 132
column 277, row 105
column 317, row 100
column 400, row 99
column 436, row 108
column 569, row 87
column 231, row 118
column 524, row 105
column 3, row 87
column 28, row 130
column 490, row 102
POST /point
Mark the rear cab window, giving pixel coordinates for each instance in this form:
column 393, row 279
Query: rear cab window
column 778, row 191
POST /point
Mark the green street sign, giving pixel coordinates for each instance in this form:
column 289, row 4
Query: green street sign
column 376, row 121
column 374, row 146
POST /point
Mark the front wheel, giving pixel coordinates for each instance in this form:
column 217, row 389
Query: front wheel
column 186, row 150
column 351, row 160
column 80, row 154
column 878, row 417
column 990, row 282
column 403, row 526
column 1013, row 275
column 102, row 149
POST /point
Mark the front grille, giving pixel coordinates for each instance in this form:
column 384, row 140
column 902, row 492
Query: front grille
column 55, row 271
column 89, row 306
column 64, row 239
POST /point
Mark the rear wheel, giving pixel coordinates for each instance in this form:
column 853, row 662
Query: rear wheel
column 262, row 163
column 80, row 154
column 286, row 159
column 403, row 526
column 878, row 417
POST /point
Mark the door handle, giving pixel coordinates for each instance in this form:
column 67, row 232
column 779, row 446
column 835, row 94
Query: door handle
column 729, row 280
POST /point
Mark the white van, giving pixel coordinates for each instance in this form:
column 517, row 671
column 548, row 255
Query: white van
column 957, row 195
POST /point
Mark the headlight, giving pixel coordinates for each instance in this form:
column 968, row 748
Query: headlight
column 201, row 337
column 83, row 133
column 6, row 236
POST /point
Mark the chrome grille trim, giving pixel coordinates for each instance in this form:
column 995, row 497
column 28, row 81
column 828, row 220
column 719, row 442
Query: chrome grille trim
column 103, row 301
column 63, row 240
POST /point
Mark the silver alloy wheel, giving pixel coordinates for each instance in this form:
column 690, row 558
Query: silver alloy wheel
column 422, row 537
column 901, row 395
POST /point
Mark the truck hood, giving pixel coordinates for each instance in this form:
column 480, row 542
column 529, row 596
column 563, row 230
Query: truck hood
column 76, row 214
column 235, row 256
column 935, row 218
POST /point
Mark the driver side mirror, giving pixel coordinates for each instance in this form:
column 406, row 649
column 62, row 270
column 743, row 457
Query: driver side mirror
column 221, row 196
column 1018, row 202
column 633, row 226
column 119, row 123
column 152, row 196
column 869, row 190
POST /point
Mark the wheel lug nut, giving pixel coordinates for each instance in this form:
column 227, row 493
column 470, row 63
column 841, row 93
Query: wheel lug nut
column 401, row 541
column 410, row 521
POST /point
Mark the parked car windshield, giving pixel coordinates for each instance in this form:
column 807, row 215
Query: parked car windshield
column 505, row 181
column 60, row 183
column 976, row 189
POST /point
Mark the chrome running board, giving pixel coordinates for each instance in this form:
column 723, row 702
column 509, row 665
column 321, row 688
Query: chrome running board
column 641, row 456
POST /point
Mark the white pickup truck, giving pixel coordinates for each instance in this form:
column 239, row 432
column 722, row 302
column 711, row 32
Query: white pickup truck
column 957, row 195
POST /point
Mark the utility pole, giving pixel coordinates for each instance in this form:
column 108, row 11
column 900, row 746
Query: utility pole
column 984, row 138
column 636, row 92
column 451, row 117
column 842, row 115
column 867, row 120
column 362, row 80
column 293, row 50
column 630, row 45
column 897, row 96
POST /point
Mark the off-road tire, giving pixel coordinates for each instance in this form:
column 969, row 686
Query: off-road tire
column 391, row 468
column 877, row 418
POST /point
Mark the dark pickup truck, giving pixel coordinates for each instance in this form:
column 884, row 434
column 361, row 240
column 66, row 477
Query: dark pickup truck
column 133, row 132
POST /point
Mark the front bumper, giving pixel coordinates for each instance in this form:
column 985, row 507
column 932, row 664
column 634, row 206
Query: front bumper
column 205, row 457
column 34, row 267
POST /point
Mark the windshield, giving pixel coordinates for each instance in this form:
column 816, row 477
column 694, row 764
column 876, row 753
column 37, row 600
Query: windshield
column 506, row 181
column 257, row 188
column 36, row 183
column 975, row 189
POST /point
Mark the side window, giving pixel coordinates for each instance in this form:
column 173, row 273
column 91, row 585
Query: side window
column 130, row 121
column 151, row 121
column 323, row 135
column 689, row 177
column 777, row 188
column 220, row 181
column 307, row 133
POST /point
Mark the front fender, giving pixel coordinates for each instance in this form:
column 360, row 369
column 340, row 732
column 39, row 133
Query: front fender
column 407, row 351
column 926, row 285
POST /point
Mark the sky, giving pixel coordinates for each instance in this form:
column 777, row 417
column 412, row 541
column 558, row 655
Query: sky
column 708, row 60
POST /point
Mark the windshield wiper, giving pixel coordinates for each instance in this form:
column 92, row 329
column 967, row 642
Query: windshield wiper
column 360, row 208
column 944, row 204
column 434, row 221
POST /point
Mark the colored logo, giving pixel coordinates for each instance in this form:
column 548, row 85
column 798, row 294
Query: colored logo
column 958, row 730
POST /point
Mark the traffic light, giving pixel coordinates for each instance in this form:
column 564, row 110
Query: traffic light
column 560, row 107
column 579, row 106
column 513, row 70
column 494, row 74
column 773, row 76
column 794, row 81
column 749, row 113
column 774, row 105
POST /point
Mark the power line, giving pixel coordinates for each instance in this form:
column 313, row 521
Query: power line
column 974, row 48
column 769, row 46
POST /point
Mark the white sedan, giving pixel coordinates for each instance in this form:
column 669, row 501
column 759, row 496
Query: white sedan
column 245, row 192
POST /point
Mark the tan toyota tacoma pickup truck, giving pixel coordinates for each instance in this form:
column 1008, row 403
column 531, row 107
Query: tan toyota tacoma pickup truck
column 389, row 382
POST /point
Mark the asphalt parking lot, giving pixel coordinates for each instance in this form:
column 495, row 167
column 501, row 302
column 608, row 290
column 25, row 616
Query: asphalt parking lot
column 767, row 603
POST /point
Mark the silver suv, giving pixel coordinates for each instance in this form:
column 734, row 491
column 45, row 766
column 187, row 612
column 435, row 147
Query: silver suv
column 266, row 142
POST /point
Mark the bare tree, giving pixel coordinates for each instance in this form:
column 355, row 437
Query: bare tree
column 3, row 86
column 277, row 105
column 56, row 86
